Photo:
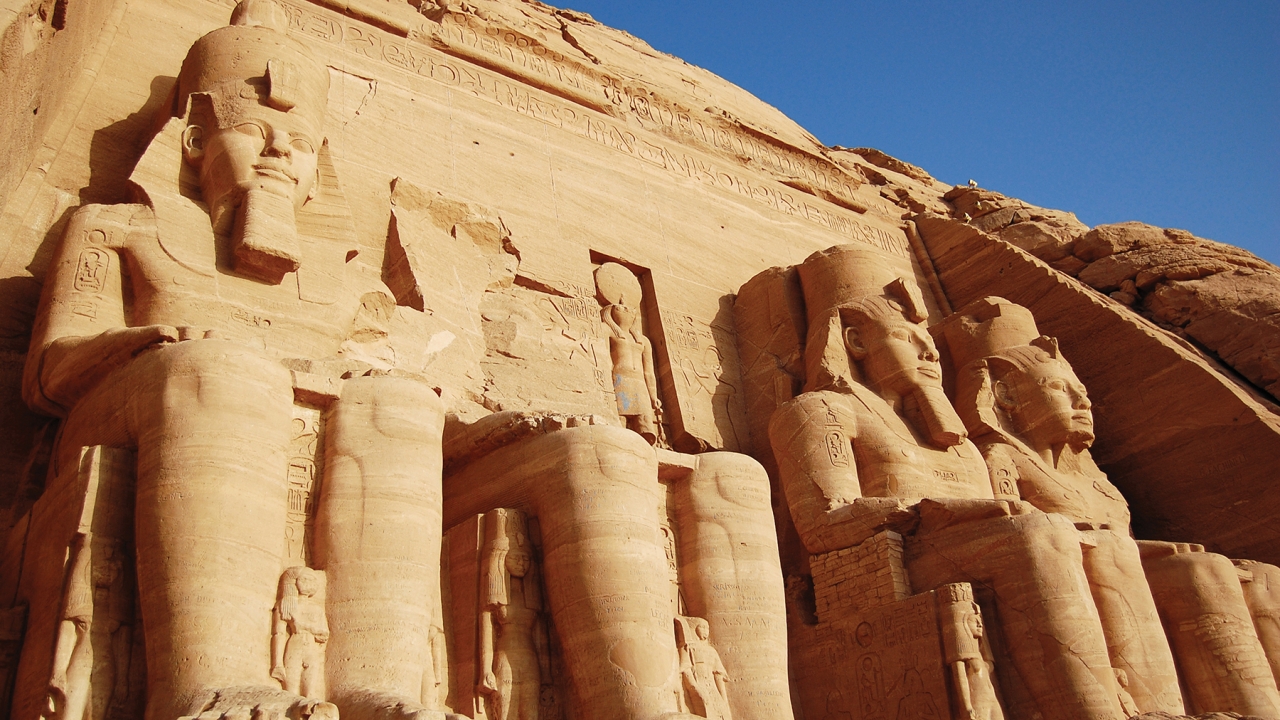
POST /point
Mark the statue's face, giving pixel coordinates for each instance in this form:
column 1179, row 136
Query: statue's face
column 518, row 563
column 265, row 149
column 1050, row 405
column 895, row 354
column 307, row 585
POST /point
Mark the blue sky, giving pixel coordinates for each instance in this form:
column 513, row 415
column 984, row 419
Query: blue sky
column 1166, row 112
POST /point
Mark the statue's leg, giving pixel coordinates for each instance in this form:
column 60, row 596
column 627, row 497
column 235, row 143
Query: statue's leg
column 595, row 492
column 1033, row 565
column 378, row 541
column 732, row 577
column 1222, row 663
column 1130, row 622
column 212, row 423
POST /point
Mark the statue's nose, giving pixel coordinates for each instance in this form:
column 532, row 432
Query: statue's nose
column 277, row 145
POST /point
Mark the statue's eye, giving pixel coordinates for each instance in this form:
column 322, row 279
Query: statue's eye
column 252, row 129
column 1057, row 385
column 900, row 335
column 302, row 145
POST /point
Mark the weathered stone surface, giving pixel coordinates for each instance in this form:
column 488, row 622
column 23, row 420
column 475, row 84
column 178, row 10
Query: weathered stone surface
column 425, row 360
column 1160, row 447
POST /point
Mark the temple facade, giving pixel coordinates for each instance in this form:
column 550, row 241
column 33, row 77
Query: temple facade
column 427, row 360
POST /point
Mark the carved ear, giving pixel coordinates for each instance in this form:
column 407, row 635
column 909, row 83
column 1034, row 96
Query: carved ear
column 1003, row 394
column 1048, row 344
column 853, row 342
column 200, row 112
column 193, row 144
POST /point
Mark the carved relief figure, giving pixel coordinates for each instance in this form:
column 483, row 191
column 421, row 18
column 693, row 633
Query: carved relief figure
column 703, row 675
column 174, row 328
column 515, row 662
column 916, row 704
column 98, row 610
column 965, row 650
column 1031, row 417
column 634, row 384
column 875, row 444
column 301, row 631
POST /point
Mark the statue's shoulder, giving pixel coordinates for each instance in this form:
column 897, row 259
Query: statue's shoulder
column 819, row 408
column 820, row 401
column 109, row 225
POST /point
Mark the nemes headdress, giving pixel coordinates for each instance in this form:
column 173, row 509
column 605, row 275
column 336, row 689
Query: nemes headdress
column 253, row 60
column 988, row 332
column 849, row 284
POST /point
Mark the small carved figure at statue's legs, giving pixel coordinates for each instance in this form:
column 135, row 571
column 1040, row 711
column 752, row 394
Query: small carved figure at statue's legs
column 1032, row 563
column 595, row 492
column 378, row 539
column 1130, row 622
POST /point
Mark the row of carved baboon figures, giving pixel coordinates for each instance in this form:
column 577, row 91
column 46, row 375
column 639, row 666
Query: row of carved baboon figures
column 180, row 339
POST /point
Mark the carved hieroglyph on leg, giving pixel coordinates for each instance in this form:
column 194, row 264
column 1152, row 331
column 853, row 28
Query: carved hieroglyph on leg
column 1220, row 659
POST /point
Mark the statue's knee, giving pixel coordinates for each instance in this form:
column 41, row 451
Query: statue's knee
column 607, row 464
column 735, row 477
column 391, row 407
column 602, row 446
column 218, row 361
column 1046, row 542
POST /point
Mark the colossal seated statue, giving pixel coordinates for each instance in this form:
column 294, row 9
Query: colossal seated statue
column 1031, row 417
column 200, row 327
column 166, row 327
column 874, row 444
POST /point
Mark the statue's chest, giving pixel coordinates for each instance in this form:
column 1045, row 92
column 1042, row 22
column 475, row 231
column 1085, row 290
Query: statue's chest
column 273, row 318
column 892, row 463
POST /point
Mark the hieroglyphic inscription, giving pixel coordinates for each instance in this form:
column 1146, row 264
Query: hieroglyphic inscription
column 548, row 108
column 638, row 103
column 305, row 467
column 91, row 269
column 707, row 380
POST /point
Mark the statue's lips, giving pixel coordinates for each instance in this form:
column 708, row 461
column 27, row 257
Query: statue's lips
column 276, row 171
column 1082, row 417
column 929, row 371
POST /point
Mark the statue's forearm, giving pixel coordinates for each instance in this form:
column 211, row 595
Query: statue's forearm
column 71, row 366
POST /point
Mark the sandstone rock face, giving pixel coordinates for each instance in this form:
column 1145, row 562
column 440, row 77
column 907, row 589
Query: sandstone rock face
column 423, row 360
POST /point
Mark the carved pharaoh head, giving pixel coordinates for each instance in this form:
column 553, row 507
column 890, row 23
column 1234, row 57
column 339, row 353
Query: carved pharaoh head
column 509, row 554
column 867, row 326
column 255, row 102
column 865, row 316
column 1010, row 378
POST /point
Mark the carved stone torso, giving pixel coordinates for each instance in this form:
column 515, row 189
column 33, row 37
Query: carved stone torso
column 891, row 458
column 1083, row 494
column 178, row 291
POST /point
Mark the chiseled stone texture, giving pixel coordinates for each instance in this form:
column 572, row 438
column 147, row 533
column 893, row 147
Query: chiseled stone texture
column 427, row 360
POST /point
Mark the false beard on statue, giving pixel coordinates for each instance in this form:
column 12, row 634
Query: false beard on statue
column 929, row 410
column 266, row 236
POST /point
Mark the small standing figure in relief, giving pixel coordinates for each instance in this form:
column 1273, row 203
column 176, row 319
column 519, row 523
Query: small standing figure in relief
column 515, row 662
column 82, row 686
column 967, row 655
column 705, row 679
column 917, row 704
column 634, row 384
column 1126, row 700
column 301, row 631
